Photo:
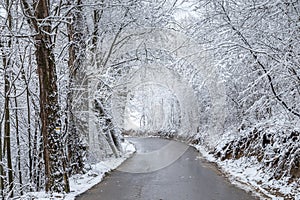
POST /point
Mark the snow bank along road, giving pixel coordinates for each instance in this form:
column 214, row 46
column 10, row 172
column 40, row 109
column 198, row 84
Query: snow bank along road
column 151, row 175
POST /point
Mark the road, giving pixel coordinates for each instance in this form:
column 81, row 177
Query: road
column 183, row 177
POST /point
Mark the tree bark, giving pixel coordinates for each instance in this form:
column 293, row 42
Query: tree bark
column 30, row 160
column 49, row 109
column 7, row 89
column 18, row 143
column 7, row 146
column 76, row 150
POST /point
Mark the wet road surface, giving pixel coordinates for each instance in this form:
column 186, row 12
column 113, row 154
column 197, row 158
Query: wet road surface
column 183, row 177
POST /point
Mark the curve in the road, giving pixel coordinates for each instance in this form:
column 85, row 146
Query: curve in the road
column 187, row 177
column 151, row 161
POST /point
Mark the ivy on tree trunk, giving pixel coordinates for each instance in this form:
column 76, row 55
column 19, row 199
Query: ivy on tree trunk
column 56, row 179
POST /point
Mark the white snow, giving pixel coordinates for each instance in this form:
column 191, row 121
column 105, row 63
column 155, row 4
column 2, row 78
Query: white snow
column 185, row 9
column 246, row 173
column 128, row 147
column 3, row 12
column 81, row 183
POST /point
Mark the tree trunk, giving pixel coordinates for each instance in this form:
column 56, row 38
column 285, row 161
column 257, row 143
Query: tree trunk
column 18, row 143
column 7, row 127
column 46, row 69
column 30, row 160
column 7, row 146
column 1, row 156
column 1, row 166
column 76, row 150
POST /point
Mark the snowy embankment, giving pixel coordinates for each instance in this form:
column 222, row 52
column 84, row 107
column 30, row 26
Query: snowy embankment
column 263, row 159
column 81, row 183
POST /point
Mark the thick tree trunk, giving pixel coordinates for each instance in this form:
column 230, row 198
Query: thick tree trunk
column 53, row 154
column 76, row 150
column 52, row 146
column 48, row 103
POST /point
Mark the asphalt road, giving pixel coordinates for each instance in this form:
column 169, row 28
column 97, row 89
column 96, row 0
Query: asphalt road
column 152, row 175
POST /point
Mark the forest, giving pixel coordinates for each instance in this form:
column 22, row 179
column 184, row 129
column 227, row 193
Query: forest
column 63, row 64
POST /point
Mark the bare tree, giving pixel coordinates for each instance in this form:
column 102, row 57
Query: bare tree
column 7, row 91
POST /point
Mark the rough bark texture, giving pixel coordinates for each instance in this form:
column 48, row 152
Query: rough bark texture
column 76, row 148
column 46, row 69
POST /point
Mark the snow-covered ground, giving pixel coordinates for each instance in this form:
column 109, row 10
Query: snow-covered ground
column 81, row 183
column 246, row 173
